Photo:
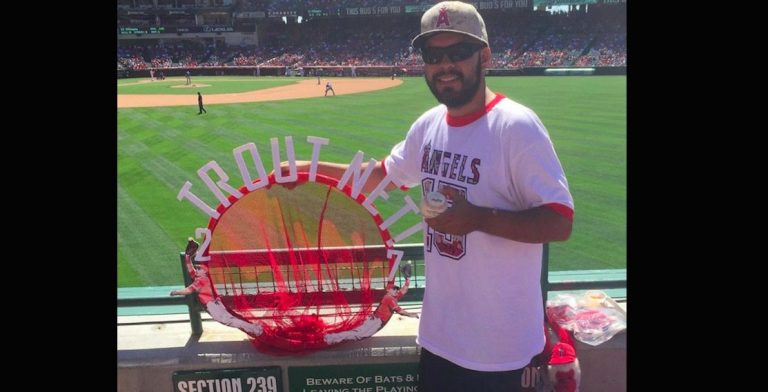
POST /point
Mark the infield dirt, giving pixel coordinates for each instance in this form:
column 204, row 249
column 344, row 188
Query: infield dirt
column 304, row 89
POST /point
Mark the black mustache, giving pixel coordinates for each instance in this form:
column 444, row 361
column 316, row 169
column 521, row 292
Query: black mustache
column 457, row 74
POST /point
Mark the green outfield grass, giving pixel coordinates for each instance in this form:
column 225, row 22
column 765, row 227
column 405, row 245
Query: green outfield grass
column 203, row 84
column 161, row 148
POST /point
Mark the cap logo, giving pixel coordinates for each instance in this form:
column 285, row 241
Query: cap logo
column 443, row 18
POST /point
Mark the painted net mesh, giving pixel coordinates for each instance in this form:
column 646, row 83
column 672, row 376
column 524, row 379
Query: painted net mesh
column 300, row 262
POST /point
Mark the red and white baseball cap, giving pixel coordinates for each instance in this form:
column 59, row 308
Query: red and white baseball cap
column 451, row 16
column 562, row 353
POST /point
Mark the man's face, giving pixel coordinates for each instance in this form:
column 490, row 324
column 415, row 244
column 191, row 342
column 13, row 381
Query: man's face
column 453, row 83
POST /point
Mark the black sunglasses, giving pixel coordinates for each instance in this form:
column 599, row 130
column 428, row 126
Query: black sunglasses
column 455, row 52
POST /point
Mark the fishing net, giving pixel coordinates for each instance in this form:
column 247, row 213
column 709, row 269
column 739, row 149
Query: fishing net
column 301, row 262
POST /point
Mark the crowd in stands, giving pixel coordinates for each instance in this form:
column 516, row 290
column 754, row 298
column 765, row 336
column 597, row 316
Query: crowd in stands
column 182, row 54
column 252, row 5
column 535, row 39
column 294, row 5
column 265, row 5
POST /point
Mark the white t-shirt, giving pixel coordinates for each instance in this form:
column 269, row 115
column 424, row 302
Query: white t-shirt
column 482, row 303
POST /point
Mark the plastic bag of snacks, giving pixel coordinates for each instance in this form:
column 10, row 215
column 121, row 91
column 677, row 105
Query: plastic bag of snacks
column 593, row 317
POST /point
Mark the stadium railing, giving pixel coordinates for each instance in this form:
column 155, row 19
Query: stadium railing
column 615, row 279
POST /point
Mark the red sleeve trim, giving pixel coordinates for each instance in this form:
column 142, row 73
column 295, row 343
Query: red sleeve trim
column 561, row 209
column 384, row 167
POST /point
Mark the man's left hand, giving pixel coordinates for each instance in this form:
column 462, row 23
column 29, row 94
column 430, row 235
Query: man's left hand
column 459, row 219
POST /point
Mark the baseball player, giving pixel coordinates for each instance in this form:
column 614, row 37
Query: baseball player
column 212, row 303
column 329, row 87
column 381, row 315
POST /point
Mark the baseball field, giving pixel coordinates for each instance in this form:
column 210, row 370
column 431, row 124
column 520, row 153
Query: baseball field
column 162, row 142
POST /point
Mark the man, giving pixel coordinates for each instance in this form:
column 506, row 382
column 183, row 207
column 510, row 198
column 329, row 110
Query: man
column 482, row 316
column 202, row 287
column 329, row 87
column 200, row 104
column 378, row 318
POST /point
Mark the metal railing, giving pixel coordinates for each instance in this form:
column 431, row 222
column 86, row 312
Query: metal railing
column 415, row 293
column 194, row 307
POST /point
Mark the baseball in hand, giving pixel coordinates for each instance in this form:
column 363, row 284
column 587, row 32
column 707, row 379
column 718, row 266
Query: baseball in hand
column 433, row 204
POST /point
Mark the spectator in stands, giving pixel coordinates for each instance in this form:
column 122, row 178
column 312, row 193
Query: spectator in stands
column 482, row 319
column 200, row 103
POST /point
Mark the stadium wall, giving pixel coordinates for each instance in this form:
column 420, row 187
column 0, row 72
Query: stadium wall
column 152, row 352
column 558, row 71
column 386, row 71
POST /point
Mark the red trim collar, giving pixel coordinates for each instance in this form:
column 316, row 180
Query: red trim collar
column 469, row 118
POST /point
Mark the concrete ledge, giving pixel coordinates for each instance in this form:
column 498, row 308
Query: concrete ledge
column 152, row 348
column 149, row 352
column 604, row 367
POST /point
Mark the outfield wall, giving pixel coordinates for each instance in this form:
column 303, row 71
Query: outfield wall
column 362, row 71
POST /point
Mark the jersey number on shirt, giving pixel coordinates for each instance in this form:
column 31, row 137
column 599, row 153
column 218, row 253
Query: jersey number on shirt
column 452, row 246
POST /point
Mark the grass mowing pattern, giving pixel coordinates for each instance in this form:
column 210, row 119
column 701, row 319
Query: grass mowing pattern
column 161, row 148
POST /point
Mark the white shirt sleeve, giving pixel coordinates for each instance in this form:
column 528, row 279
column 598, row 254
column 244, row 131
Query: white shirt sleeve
column 404, row 161
column 537, row 174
